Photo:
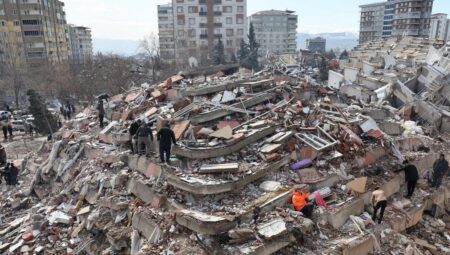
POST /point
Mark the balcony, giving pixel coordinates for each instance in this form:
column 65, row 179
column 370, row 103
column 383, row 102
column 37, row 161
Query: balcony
column 217, row 13
column 203, row 36
column 218, row 36
column 217, row 24
column 203, row 13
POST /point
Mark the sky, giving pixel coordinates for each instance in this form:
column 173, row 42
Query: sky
column 135, row 19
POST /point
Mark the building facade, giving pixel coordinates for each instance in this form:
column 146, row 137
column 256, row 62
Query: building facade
column 440, row 27
column 81, row 49
column 395, row 18
column 275, row 31
column 197, row 27
column 317, row 44
column 166, row 32
column 33, row 31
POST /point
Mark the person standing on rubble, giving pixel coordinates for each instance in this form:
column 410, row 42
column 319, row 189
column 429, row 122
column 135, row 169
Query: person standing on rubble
column 10, row 128
column 440, row 169
column 133, row 131
column 5, row 174
column 411, row 177
column 3, row 157
column 4, row 129
column 165, row 137
column 145, row 137
column 13, row 173
column 379, row 201
column 101, row 112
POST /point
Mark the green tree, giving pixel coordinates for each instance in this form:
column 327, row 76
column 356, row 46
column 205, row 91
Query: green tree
column 253, row 47
column 219, row 53
column 44, row 122
column 344, row 55
column 243, row 54
column 323, row 68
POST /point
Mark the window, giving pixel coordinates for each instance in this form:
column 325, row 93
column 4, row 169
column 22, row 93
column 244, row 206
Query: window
column 240, row 31
column 2, row 12
column 227, row 9
column 230, row 32
column 229, row 20
column 193, row 9
column 2, row 23
column 191, row 21
column 240, row 9
column 240, row 21
column 229, row 43
column 180, row 9
column 31, row 22
column 32, row 33
column 14, row 11
column 180, row 32
column 16, row 23
column 191, row 32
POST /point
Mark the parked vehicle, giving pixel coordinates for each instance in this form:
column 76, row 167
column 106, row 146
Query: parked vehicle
column 5, row 115
column 19, row 125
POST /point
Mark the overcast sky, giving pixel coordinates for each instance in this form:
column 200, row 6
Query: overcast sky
column 134, row 19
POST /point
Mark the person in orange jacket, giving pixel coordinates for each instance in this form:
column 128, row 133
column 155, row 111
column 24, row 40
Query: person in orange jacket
column 300, row 202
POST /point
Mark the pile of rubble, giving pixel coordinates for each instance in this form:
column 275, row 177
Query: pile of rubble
column 244, row 143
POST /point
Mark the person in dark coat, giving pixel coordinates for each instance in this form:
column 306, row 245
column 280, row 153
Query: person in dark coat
column 165, row 137
column 5, row 174
column 411, row 177
column 3, row 157
column 440, row 169
column 133, row 131
column 4, row 129
column 101, row 112
column 145, row 138
column 13, row 173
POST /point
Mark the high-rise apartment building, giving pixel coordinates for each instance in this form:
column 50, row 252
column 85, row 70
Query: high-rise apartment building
column 395, row 18
column 440, row 27
column 197, row 27
column 166, row 32
column 33, row 31
column 317, row 44
column 275, row 31
column 81, row 49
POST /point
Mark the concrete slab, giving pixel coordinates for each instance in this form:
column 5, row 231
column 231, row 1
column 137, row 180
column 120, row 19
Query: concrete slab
column 145, row 225
column 338, row 218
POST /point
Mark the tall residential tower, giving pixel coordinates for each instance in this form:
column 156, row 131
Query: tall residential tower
column 189, row 29
column 395, row 18
column 440, row 27
column 276, row 31
column 33, row 31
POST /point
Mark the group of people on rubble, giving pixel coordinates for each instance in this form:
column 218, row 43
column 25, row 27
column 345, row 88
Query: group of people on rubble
column 301, row 199
column 141, row 135
column 67, row 110
column 8, row 171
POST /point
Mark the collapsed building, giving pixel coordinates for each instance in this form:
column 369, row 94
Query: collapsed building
column 245, row 142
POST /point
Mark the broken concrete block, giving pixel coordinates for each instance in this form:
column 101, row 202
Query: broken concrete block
column 358, row 185
column 59, row 217
column 272, row 229
column 219, row 168
column 145, row 225
column 225, row 133
column 270, row 186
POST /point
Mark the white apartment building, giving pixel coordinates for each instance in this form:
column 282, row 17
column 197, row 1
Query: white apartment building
column 275, row 31
column 197, row 27
column 81, row 49
column 440, row 27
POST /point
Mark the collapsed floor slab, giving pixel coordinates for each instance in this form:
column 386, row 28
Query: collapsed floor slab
column 205, row 153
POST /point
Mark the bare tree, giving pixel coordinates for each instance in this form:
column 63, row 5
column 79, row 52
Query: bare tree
column 14, row 67
column 149, row 48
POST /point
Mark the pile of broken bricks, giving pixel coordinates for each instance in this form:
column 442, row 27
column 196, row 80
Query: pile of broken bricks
column 244, row 144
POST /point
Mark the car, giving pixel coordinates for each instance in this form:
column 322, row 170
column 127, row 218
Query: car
column 5, row 115
column 19, row 125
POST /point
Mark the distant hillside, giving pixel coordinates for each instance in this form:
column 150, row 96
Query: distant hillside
column 343, row 40
column 122, row 47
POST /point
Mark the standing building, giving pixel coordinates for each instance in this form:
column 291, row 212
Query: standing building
column 197, row 27
column 395, row 18
column 33, row 31
column 81, row 49
column 317, row 44
column 275, row 31
column 440, row 27
column 166, row 32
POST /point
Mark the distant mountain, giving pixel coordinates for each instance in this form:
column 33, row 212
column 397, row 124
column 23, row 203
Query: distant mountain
column 344, row 40
column 122, row 47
